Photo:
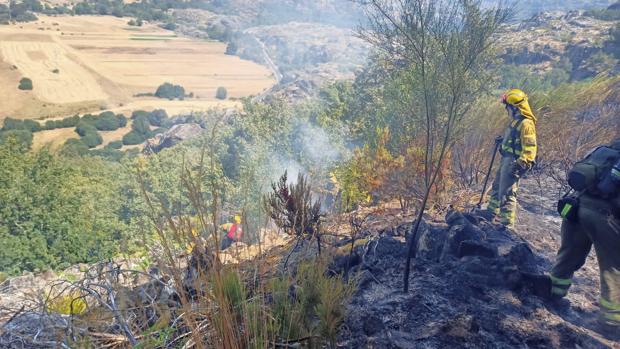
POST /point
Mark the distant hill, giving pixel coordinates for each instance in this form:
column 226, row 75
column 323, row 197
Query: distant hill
column 528, row 8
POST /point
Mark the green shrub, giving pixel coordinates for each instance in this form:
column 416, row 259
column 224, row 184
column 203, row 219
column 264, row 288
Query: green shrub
column 92, row 139
column 51, row 125
column 141, row 125
column 108, row 154
column 56, row 71
column 133, row 138
column 16, row 124
column 157, row 116
column 74, row 147
column 137, row 113
column 32, row 125
column 22, row 137
column 25, row 84
column 71, row 121
column 170, row 91
column 84, row 128
column 221, row 93
column 12, row 124
column 89, row 118
column 115, row 145
column 122, row 120
column 107, row 122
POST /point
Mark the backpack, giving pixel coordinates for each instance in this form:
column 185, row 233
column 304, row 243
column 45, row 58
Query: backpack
column 589, row 172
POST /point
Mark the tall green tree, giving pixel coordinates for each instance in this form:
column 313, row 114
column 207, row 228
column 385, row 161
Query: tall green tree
column 55, row 211
column 445, row 46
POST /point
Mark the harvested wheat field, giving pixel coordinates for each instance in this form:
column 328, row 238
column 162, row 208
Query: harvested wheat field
column 93, row 63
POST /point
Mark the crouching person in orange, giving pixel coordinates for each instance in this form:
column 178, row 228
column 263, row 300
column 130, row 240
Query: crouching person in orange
column 234, row 233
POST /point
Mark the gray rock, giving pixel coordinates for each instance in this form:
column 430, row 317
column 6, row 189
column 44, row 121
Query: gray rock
column 172, row 137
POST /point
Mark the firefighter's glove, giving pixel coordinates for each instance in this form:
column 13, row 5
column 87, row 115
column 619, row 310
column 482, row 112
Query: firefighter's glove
column 521, row 167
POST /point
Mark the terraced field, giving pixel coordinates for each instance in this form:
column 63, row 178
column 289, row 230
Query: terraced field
column 94, row 63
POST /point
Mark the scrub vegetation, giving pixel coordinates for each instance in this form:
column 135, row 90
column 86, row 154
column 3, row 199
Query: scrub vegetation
column 411, row 129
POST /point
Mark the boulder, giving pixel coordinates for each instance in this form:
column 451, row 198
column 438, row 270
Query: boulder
column 172, row 137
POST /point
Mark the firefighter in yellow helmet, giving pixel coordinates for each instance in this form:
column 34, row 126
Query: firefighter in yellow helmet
column 518, row 149
column 234, row 232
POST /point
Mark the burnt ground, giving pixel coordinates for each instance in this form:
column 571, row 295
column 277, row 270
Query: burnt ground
column 467, row 288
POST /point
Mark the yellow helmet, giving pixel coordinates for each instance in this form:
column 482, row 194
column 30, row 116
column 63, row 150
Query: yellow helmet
column 514, row 97
column 238, row 219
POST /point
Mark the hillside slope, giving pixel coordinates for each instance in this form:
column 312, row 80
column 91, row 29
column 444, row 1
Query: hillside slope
column 467, row 287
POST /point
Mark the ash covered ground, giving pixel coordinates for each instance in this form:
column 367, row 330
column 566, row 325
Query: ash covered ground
column 467, row 288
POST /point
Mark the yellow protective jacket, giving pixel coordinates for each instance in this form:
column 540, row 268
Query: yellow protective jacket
column 520, row 136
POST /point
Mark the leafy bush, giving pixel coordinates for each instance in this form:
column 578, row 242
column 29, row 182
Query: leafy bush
column 221, row 93
column 115, row 145
column 133, row 138
column 157, row 116
column 122, row 120
column 108, row 154
column 170, row 91
column 107, row 122
column 71, row 121
column 92, row 139
column 51, row 125
column 21, row 137
column 67, row 122
column 69, row 216
column 25, row 84
column 135, row 22
column 73, row 148
column 141, row 125
column 84, row 128
column 16, row 124
column 137, row 113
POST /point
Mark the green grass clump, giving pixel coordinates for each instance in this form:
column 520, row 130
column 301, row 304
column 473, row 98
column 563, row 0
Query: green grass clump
column 68, row 304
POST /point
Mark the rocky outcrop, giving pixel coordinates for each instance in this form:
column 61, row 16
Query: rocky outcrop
column 550, row 39
column 172, row 137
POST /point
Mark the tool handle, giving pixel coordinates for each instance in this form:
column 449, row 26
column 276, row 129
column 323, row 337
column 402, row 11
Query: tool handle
column 486, row 179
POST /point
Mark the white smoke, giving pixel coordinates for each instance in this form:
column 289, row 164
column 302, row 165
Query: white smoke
column 316, row 145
